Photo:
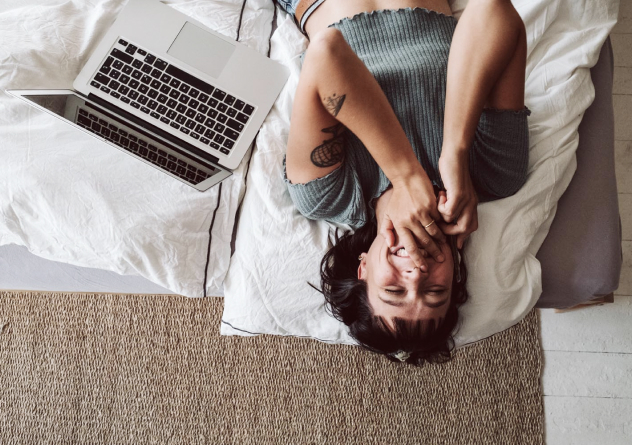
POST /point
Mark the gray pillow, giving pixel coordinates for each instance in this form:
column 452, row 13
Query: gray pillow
column 581, row 256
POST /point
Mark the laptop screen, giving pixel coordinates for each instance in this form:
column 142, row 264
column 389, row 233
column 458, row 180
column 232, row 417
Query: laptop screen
column 126, row 135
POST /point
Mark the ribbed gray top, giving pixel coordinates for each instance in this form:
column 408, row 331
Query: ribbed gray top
column 407, row 52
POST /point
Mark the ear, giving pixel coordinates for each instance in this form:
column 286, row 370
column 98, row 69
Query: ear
column 362, row 267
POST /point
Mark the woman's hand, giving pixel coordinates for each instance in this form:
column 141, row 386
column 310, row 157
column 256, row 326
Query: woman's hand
column 412, row 206
column 457, row 204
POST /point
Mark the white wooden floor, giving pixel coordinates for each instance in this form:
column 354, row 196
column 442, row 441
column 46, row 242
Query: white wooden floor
column 587, row 377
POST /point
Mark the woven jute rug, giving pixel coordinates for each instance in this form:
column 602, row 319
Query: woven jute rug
column 149, row 369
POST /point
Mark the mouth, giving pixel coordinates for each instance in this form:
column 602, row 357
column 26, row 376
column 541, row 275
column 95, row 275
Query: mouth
column 400, row 252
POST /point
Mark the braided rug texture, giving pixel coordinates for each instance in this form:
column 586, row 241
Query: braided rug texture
column 152, row 369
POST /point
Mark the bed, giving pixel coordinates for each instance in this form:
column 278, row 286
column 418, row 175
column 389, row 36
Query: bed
column 38, row 252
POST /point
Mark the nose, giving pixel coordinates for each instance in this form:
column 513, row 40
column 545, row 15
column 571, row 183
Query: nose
column 417, row 271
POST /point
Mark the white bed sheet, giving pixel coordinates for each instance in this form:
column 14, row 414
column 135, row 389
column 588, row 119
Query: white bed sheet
column 69, row 198
column 278, row 251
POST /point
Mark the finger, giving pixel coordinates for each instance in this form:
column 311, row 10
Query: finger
column 412, row 250
column 453, row 209
column 435, row 232
column 427, row 243
column 451, row 229
column 387, row 231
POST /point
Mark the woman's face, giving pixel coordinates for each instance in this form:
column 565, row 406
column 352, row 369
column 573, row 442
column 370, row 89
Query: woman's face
column 396, row 288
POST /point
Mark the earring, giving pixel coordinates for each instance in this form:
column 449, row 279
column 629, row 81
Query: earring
column 360, row 257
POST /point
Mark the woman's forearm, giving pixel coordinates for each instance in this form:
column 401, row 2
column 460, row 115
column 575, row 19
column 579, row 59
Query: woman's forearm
column 484, row 42
column 349, row 92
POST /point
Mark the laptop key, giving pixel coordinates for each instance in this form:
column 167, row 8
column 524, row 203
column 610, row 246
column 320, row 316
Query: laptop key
column 152, row 156
column 228, row 143
column 145, row 110
column 171, row 165
column 127, row 69
column 200, row 118
column 162, row 109
column 164, row 89
column 124, row 89
column 200, row 128
column 95, row 84
column 181, row 108
column 124, row 79
column 230, row 99
column 171, row 114
column 114, row 84
column 105, row 89
column 133, row 95
column 225, row 151
column 162, row 161
column 101, row 78
column 105, row 69
column 194, row 93
column 210, row 134
column 152, row 104
column 137, row 74
column 174, row 125
column 241, row 117
column 125, row 99
column 115, row 94
column 156, row 73
column 231, row 134
column 248, row 109
column 131, row 49
column 84, row 120
column 152, row 93
column 174, row 94
column 156, row 84
column 194, row 103
column 239, row 104
column 131, row 137
column 172, row 103
column 137, row 64
column 194, row 135
column 146, row 68
column 142, row 52
column 143, row 100
column 234, row 125
column 184, row 130
column 212, row 113
column 190, row 124
column 190, row 113
column 203, row 108
column 154, row 115
column 231, row 112
column 181, row 119
column 118, row 64
column 150, row 59
column 219, row 138
column 117, row 54
column 222, row 107
column 160, row 64
column 218, row 127
column 164, row 120
column 175, row 83
column 184, row 99
column 204, row 140
column 203, row 98
column 133, row 146
column 222, row 118
column 142, row 150
column 146, row 79
column 166, row 78
column 214, row 145
column 114, row 74
column 219, row 94
column 191, row 80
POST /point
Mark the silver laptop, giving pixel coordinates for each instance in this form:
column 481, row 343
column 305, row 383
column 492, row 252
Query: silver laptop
column 170, row 92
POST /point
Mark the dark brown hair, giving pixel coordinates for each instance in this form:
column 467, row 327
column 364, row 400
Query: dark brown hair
column 347, row 301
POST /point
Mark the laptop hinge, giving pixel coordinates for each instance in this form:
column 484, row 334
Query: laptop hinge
column 157, row 131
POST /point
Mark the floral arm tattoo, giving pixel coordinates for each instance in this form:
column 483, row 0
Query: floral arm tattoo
column 331, row 151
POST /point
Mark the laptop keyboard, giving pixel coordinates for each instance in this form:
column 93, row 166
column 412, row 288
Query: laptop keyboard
column 200, row 111
column 144, row 148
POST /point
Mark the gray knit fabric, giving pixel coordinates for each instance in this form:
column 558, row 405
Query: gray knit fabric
column 407, row 51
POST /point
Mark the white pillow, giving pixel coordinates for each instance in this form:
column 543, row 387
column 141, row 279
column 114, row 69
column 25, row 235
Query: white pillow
column 69, row 198
column 278, row 251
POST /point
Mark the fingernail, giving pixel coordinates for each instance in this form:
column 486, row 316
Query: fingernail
column 440, row 258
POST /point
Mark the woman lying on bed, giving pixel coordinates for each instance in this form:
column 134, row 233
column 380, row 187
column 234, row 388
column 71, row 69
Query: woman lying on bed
column 402, row 122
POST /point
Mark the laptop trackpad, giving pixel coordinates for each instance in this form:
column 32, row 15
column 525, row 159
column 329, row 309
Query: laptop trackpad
column 201, row 50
